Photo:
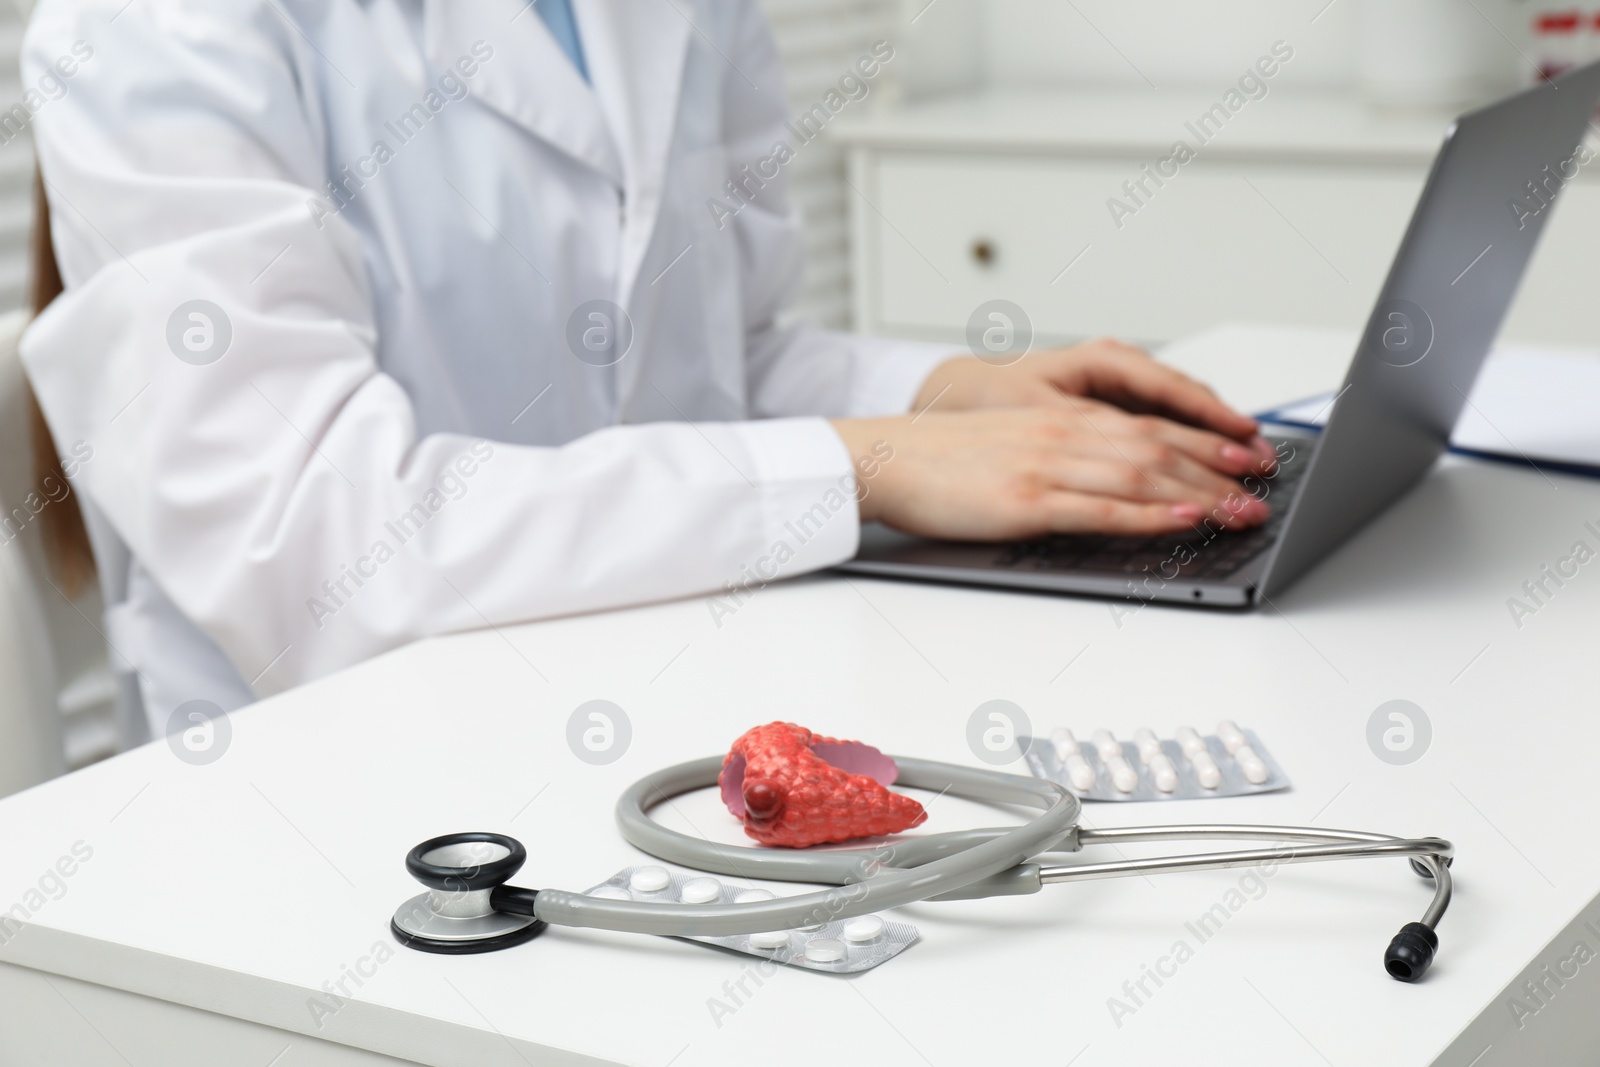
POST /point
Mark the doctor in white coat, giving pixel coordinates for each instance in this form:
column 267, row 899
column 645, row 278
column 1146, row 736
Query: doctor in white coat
column 388, row 318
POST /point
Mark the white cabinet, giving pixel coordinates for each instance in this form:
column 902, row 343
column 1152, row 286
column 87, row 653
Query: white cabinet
column 1291, row 214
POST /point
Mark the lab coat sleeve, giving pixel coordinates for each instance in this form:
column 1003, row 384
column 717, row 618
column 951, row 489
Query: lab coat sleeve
column 255, row 460
column 801, row 368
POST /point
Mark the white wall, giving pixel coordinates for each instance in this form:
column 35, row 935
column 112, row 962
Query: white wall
column 1169, row 43
column 1172, row 42
column 819, row 40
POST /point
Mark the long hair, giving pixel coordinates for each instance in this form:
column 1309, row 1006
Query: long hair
column 66, row 539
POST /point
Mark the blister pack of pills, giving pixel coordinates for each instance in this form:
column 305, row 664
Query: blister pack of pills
column 1231, row 762
column 841, row 946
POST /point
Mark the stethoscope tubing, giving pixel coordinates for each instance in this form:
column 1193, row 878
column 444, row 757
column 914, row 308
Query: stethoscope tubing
column 954, row 865
column 862, row 882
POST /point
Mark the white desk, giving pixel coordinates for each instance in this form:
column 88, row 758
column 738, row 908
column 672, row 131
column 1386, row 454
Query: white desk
column 219, row 899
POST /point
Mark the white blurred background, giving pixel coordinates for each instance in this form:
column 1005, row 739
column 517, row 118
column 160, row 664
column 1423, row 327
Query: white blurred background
column 953, row 47
column 982, row 163
column 1002, row 126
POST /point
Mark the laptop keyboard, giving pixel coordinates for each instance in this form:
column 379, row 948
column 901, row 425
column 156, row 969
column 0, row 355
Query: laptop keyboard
column 1208, row 553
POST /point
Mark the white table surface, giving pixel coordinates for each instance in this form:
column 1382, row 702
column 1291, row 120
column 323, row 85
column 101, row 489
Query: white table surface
column 241, row 887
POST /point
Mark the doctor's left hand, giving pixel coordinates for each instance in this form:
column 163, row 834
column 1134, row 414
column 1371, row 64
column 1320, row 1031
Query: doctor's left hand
column 1104, row 369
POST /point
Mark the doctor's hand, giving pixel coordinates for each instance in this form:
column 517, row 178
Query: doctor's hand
column 1084, row 467
column 1105, row 370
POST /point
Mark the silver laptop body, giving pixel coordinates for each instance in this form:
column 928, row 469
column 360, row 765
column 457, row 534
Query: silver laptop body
column 1479, row 218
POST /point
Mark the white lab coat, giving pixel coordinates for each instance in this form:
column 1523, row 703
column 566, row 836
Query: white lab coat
column 397, row 440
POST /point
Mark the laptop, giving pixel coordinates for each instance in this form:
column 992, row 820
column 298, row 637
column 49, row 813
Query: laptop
column 1486, row 200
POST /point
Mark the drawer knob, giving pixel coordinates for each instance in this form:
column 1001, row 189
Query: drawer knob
column 983, row 252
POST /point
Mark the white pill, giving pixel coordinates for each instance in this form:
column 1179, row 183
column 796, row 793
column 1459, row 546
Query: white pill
column 770, row 939
column 1080, row 773
column 701, row 891
column 824, row 950
column 1064, row 743
column 1149, row 744
column 1230, row 735
column 1206, row 771
column 754, row 896
column 860, row 931
column 1124, row 777
column 1107, row 746
column 1250, row 765
column 1165, row 774
column 1189, row 741
column 649, row 879
column 610, row 892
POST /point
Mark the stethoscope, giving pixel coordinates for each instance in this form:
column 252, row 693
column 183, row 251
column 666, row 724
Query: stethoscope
column 470, row 908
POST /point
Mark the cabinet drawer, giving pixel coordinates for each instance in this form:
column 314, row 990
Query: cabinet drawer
column 1220, row 241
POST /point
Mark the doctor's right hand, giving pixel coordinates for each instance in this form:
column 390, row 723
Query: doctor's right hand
column 1003, row 474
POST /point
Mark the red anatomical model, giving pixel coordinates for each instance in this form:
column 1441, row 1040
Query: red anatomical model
column 794, row 788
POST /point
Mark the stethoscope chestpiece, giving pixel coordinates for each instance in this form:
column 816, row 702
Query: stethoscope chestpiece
column 463, row 863
column 468, row 907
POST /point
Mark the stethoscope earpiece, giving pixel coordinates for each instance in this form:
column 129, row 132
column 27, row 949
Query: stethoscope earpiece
column 1410, row 954
column 468, row 907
